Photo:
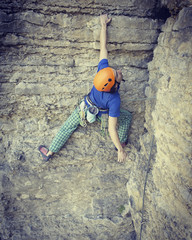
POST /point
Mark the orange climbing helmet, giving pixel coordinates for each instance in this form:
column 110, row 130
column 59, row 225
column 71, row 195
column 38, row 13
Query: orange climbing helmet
column 104, row 80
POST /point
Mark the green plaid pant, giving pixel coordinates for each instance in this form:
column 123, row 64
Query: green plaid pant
column 71, row 124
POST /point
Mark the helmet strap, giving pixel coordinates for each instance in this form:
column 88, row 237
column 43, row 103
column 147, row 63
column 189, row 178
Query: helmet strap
column 114, row 88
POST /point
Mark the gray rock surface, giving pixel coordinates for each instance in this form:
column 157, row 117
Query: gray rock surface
column 167, row 210
column 49, row 56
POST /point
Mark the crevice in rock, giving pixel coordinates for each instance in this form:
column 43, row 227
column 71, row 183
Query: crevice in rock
column 162, row 13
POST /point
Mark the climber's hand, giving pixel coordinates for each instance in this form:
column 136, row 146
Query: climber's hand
column 121, row 156
column 104, row 19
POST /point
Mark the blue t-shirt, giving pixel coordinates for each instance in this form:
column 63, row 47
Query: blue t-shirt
column 106, row 100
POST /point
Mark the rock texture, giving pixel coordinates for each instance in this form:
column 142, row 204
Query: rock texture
column 167, row 208
column 49, row 56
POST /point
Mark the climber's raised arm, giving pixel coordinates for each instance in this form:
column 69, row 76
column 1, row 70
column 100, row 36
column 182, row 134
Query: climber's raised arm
column 103, row 36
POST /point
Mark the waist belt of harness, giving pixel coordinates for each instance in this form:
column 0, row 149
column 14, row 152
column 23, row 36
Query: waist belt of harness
column 87, row 98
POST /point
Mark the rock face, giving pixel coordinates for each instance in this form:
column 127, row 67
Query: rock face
column 167, row 209
column 49, row 57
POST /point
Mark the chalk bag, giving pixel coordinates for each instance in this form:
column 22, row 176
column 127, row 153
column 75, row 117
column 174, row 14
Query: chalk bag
column 92, row 113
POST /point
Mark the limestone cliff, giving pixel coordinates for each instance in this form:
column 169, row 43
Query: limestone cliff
column 49, row 56
column 167, row 210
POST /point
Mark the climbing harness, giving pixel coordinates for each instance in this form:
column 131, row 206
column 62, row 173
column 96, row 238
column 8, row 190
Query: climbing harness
column 103, row 118
column 90, row 114
column 88, row 100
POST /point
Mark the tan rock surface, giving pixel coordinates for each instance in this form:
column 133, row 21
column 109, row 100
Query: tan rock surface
column 49, row 56
column 167, row 212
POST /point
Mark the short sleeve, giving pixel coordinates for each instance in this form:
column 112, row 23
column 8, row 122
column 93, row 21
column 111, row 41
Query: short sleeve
column 103, row 64
column 114, row 106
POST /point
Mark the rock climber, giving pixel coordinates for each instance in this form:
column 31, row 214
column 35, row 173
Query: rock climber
column 103, row 102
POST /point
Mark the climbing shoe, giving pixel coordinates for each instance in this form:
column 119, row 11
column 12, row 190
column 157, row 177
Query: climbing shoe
column 44, row 150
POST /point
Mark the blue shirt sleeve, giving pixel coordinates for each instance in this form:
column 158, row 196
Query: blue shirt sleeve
column 103, row 64
column 114, row 106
